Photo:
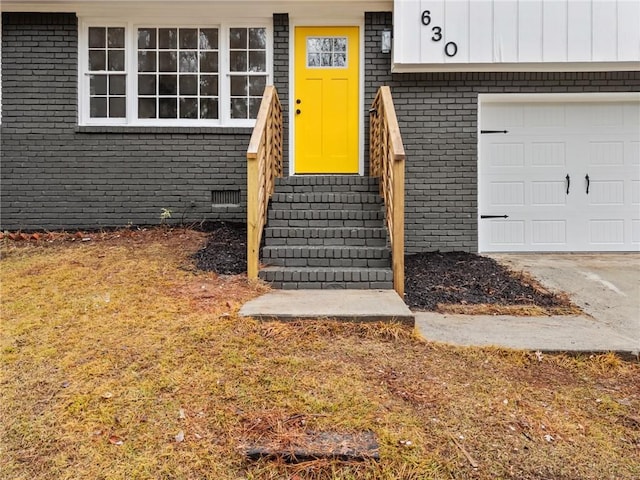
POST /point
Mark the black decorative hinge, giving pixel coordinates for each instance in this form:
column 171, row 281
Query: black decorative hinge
column 493, row 131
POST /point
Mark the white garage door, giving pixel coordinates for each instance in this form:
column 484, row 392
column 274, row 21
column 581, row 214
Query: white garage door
column 559, row 173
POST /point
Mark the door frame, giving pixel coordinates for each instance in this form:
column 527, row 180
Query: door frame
column 315, row 22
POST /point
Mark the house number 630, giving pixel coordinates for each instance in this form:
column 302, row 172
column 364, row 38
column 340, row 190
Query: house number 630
column 450, row 48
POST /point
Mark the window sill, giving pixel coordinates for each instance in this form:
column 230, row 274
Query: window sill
column 165, row 130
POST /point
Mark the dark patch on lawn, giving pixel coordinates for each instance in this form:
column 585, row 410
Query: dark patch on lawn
column 464, row 278
column 226, row 250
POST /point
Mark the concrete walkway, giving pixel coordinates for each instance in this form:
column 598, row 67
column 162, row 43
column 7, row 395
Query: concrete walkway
column 575, row 334
column 350, row 305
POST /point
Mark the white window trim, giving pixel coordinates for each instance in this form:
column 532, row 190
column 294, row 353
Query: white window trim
column 131, row 71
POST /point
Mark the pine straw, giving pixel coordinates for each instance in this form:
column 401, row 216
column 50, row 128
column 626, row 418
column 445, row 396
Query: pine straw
column 112, row 347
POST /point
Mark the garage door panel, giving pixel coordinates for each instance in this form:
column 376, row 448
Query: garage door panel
column 606, row 153
column 523, row 175
column 549, row 193
column 549, row 232
column 548, row 154
column 507, row 155
column 544, row 115
column 606, row 232
column 635, row 231
column 603, row 192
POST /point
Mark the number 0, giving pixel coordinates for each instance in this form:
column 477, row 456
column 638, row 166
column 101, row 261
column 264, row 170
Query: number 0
column 450, row 49
column 426, row 17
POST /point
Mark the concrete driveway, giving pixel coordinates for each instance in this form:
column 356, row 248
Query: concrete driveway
column 605, row 285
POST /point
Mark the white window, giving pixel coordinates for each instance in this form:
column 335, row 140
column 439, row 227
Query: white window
column 164, row 75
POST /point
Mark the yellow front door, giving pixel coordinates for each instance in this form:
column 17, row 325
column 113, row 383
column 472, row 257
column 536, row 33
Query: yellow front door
column 326, row 99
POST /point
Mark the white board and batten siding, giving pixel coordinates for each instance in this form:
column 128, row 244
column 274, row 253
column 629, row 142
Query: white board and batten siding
column 559, row 172
column 516, row 35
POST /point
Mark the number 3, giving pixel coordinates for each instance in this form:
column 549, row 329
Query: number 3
column 437, row 34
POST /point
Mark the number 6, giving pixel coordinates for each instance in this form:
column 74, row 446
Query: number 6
column 426, row 17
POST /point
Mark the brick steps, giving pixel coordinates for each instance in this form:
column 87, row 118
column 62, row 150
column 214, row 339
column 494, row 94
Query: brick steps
column 356, row 236
column 326, row 232
column 290, row 278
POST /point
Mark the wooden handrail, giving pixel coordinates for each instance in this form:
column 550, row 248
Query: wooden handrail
column 264, row 164
column 387, row 158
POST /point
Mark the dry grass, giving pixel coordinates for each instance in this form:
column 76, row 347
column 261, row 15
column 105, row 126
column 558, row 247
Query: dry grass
column 111, row 348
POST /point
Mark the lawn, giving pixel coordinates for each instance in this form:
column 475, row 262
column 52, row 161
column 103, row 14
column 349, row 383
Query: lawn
column 120, row 360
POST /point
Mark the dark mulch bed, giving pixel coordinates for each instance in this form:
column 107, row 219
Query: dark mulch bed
column 430, row 278
column 464, row 278
column 226, row 250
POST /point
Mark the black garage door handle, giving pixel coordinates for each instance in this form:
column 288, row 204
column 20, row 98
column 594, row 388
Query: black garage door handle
column 568, row 178
column 586, row 177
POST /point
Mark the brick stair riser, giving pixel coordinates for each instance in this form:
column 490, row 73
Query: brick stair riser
column 326, row 275
column 324, row 256
column 332, row 286
column 330, row 237
column 331, row 198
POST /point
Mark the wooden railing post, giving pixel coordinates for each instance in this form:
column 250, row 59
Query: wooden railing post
column 387, row 160
column 264, row 163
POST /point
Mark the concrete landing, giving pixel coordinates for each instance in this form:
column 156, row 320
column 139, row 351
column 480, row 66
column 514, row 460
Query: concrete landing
column 349, row 305
column 574, row 334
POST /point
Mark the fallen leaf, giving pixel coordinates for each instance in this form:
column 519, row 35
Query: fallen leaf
column 115, row 440
column 107, row 395
column 181, row 414
column 180, row 437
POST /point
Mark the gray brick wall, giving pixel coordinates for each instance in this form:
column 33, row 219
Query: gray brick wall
column 55, row 175
column 281, row 74
column 437, row 113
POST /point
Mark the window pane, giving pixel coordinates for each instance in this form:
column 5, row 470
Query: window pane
column 209, row 39
column 339, row 59
column 115, row 37
column 188, row 61
column 188, row 85
column 238, row 108
column 257, row 38
column 168, row 107
column 209, row 62
column 146, row 108
column 97, row 37
column 238, row 61
column 146, row 38
column 257, row 85
column 209, row 108
column 168, row 61
column 188, row 108
column 340, row 44
column 117, row 85
column 98, row 107
column 116, row 60
column 325, row 59
column 117, row 107
column 239, row 86
column 257, row 61
column 209, row 85
column 146, row 61
column 189, row 38
column 238, row 38
column 168, row 38
column 313, row 60
column 97, row 60
column 98, row 85
column 146, row 84
column 168, row 84
column 254, row 106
